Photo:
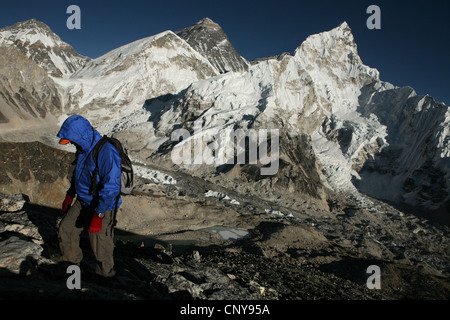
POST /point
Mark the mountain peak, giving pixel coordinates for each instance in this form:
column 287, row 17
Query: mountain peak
column 332, row 41
column 207, row 22
column 344, row 25
column 341, row 31
column 31, row 23
column 38, row 42
column 208, row 38
column 32, row 32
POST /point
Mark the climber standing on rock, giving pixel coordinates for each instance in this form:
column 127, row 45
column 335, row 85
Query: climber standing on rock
column 93, row 209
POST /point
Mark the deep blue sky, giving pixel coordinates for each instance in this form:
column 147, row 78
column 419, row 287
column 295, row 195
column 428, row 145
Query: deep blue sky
column 412, row 48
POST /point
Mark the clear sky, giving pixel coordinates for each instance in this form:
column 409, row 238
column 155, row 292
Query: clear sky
column 411, row 48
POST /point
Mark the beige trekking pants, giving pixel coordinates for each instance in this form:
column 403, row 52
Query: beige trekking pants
column 102, row 243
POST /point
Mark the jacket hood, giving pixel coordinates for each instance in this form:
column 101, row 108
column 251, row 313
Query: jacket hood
column 77, row 129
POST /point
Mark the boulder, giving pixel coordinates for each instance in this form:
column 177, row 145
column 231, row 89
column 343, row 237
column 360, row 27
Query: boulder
column 18, row 256
column 11, row 203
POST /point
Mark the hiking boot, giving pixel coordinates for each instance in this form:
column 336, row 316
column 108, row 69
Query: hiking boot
column 111, row 274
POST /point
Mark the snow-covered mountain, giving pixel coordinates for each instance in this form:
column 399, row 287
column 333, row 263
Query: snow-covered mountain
column 414, row 161
column 38, row 42
column 31, row 56
column 119, row 82
column 365, row 134
column 341, row 128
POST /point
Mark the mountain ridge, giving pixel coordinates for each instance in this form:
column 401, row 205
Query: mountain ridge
column 322, row 97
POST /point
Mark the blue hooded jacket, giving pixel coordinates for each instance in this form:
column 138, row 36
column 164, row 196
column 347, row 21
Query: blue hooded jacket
column 79, row 131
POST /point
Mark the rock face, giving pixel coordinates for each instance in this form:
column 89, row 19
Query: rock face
column 208, row 38
column 27, row 94
column 11, row 203
column 21, row 240
column 36, row 170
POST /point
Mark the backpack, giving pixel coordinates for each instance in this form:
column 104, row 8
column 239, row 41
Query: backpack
column 127, row 173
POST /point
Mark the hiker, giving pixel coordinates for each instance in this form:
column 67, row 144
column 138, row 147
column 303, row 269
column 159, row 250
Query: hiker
column 97, row 209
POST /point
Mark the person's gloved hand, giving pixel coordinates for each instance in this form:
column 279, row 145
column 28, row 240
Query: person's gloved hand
column 66, row 203
column 96, row 223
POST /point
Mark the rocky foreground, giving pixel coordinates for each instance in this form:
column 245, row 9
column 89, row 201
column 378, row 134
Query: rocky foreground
column 281, row 260
column 233, row 271
column 180, row 237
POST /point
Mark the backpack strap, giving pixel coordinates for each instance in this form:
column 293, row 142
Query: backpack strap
column 95, row 153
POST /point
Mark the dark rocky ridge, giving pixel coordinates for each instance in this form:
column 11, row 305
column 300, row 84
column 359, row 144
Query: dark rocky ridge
column 208, row 38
